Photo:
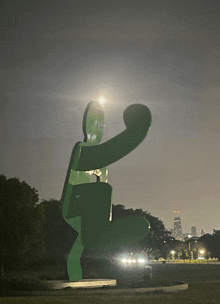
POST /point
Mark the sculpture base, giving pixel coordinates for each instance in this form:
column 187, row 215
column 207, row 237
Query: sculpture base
column 174, row 287
column 84, row 283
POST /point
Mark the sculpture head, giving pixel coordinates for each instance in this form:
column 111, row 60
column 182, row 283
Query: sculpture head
column 93, row 123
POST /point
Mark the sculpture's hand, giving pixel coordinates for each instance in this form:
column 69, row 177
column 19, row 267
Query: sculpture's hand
column 137, row 119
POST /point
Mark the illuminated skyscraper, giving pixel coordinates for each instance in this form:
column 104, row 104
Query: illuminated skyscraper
column 193, row 230
column 177, row 228
column 202, row 232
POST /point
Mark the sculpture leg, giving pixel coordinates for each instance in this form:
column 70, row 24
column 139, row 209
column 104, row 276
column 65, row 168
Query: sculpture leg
column 73, row 262
column 98, row 233
column 93, row 202
column 122, row 232
column 95, row 211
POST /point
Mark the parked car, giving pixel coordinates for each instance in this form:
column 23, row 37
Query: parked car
column 128, row 268
column 132, row 268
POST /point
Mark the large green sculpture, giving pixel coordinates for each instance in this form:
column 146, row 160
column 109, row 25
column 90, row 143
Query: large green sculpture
column 86, row 204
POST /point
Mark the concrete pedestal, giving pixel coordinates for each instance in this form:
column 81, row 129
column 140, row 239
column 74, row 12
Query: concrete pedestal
column 84, row 283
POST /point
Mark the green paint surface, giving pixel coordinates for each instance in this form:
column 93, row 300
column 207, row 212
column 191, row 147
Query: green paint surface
column 87, row 204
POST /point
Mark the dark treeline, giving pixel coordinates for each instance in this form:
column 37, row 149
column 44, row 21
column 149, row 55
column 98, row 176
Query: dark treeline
column 211, row 243
column 206, row 246
column 34, row 233
column 21, row 224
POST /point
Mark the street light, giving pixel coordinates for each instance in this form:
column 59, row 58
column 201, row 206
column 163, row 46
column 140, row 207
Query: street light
column 173, row 252
column 201, row 254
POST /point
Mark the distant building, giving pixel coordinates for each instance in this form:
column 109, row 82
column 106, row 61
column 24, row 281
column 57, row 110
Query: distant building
column 177, row 228
column 193, row 230
column 202, row 232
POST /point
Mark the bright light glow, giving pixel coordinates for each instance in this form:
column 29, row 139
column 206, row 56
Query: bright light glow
column 101, row 100
column 128, row 261
column 172, row 251
column 90, row 172
column 202, row 251
column 141, row 261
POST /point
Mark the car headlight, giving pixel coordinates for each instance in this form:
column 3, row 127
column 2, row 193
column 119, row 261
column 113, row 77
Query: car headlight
column 141, row 261
column 124, row 261
column 128, row 260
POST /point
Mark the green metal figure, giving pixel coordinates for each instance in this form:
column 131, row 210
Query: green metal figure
column 86, row 204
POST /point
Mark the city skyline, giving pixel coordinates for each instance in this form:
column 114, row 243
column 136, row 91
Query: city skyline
column 178, row 233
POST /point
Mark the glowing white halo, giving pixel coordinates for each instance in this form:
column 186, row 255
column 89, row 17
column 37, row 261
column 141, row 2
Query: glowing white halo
column 101, row 100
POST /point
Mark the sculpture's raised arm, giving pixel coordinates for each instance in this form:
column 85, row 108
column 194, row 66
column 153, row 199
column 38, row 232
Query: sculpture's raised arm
column 137, row 119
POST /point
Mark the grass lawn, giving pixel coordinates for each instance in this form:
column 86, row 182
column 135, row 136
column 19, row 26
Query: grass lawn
column 186, row 272
column 196, row 275
column 197, row 293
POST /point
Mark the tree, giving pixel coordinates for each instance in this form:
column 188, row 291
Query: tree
column 207, row 243
column 21, row 223
column 216, row 232
column 180, row 249
column 216, row 244
column 60, row 237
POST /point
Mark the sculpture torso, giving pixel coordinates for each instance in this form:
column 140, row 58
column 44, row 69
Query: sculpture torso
column 75, row 178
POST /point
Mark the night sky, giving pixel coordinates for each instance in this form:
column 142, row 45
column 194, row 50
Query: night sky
column 59, row 55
